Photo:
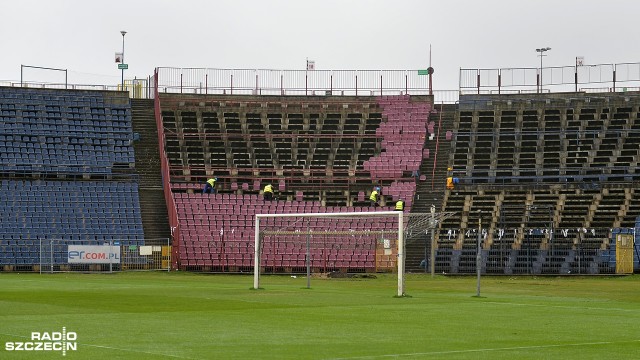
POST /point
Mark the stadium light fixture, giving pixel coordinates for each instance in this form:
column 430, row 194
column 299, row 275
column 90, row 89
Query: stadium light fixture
column 541, row 52
column 123, row 34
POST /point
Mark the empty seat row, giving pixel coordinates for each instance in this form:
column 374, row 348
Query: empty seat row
column 93, row 211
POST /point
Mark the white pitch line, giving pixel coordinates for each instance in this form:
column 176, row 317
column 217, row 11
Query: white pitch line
column 113, row 348
column 562, row 306
column 487, row 350
column 137, row 351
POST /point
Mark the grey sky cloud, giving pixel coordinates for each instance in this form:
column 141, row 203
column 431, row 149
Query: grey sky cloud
column 82, row 36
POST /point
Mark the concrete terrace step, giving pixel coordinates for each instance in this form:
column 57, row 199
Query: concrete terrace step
column 431, row 190
column 146, row 149
column 154, row 214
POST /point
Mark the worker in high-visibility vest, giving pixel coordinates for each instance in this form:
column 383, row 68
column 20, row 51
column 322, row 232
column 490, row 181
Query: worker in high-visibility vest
column 210, row 186
column 399, row 205
column 375, row 196
column 268, row 192
column 450, row 184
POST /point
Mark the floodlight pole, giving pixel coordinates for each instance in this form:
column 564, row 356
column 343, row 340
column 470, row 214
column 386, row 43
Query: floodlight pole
column 541, row 51
column 576, row 75
column 123, row 34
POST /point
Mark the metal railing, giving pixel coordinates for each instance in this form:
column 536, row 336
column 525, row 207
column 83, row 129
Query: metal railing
column 143, row 89
column 597, row 78
column 166, row 178
column 291, row 82
column 573, row 78
column 137, row 88
column 471, row 181
column 533, row 250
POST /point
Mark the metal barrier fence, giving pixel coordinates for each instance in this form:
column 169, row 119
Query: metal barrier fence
column 291, row 82
column 588, row 78
column 538, row 251
column 57, row 255
column 570, row 177
column 137, row 88
column 597, row 78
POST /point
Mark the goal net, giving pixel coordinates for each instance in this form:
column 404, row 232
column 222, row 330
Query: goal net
column 328, row 242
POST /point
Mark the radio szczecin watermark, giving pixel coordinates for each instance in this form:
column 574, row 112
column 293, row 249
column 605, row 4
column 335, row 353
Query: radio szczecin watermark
column 46, row 341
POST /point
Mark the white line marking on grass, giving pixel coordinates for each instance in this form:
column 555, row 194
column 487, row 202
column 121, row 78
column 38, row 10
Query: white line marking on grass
column 138, row 351
column 114, row 348
column 488, row 350
column 561, row 306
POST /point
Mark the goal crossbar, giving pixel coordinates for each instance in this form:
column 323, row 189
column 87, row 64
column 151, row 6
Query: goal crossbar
column 398, row 214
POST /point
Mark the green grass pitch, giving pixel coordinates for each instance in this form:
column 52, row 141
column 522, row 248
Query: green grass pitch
column 195, row 316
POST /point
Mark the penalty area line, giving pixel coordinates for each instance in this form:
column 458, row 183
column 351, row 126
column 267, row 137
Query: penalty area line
column 487, row 350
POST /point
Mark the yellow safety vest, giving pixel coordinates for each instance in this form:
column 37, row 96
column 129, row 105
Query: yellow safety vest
column 268, row 189
column 374, row 195
column 212, row 182
column 400, row 205
column 450, row 183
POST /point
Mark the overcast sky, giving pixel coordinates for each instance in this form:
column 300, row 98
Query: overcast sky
column 83, row 35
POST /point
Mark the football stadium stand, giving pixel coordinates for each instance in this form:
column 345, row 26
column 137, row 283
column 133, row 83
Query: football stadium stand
column 321, row 154
column 54, row 131
column 67, row 172
column 546, row 183
column 549, row 176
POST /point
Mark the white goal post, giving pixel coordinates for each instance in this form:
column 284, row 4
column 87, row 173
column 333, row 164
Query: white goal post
column 260, row 231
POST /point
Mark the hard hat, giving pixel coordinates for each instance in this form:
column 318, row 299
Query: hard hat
column 216, row 179
column 378, row 188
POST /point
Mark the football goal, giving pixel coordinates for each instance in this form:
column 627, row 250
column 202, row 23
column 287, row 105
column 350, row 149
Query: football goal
column 326, row 242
